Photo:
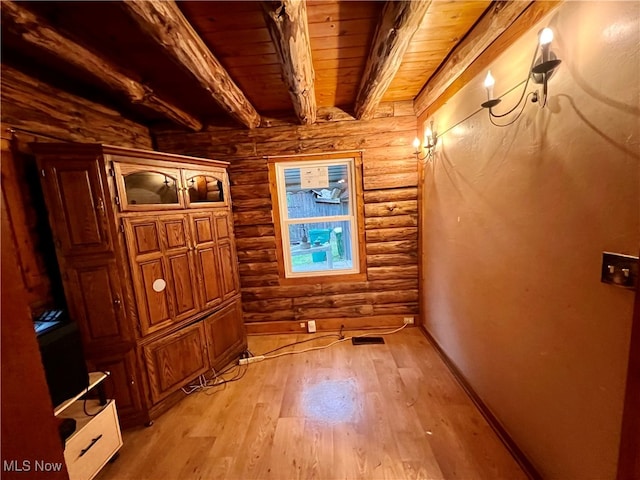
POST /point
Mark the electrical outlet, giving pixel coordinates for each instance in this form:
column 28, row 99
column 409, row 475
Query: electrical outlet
column 619, row 270
column 311, row 326
column 408, row 320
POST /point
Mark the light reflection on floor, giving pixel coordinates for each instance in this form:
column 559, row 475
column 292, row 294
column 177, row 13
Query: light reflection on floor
column 331, row 401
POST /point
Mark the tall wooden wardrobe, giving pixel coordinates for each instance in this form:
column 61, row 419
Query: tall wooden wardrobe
column 146, row 250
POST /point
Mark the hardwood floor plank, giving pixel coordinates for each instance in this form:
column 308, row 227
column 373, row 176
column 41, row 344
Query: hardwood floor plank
column 389, row 411
column 350, row 460
column 258, row 445
column 319, row 453
column 382, row 450
column 288, row 449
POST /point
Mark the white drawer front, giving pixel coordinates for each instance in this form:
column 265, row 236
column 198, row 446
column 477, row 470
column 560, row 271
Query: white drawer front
column 90, row 448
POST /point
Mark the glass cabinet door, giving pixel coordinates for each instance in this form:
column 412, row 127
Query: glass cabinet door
column 204, row 187
column 148, row 188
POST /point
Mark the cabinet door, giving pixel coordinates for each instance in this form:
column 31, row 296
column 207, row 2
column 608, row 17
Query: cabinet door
column 206, row 187
column 122, row 384
column 206, row 258
column 149, row 273
column 162, row 270
column 176, row 244
column 77, row 205
column 225, row 334
column 94, row 296
column 227, row 254
column 174, row 360
column 145, row 188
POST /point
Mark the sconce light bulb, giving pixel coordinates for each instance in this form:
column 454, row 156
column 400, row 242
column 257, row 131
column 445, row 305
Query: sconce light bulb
column 546, row 36
column 416, row 144
column 428, row 137
column 489, row 82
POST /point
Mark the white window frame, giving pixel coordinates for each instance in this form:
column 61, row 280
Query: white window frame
column 352, row 216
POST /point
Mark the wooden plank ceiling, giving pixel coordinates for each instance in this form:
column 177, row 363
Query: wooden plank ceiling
column 194, row 64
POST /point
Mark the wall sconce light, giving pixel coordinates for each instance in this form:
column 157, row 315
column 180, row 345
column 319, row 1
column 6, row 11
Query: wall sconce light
column 428, row 145
column 542, row 67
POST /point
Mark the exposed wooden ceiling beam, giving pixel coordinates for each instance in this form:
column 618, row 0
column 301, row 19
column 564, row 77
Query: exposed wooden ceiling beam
column 287, row 24
column 34, row 30
column 493, row 23
column 164, row 21
column 397, row 25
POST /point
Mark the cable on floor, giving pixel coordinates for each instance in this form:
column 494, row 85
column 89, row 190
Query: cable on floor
column 329, row 335
column 204, row 383
column 215, row 379
column 343, row 339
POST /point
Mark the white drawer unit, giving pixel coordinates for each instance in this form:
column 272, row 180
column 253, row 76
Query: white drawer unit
column 97, row 436
column 95, row 440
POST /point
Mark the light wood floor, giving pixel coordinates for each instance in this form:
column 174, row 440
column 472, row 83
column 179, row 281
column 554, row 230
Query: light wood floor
column 389, row 411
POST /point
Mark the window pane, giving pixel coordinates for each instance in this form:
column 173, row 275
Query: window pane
column 148, row 188
column 320, row 246
column 204, row 188
column 317, row 191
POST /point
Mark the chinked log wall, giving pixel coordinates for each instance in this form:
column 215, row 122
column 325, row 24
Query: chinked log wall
column 390, row 291
column 42, row 112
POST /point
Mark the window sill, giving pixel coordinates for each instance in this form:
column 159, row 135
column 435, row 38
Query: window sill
column 320, row 279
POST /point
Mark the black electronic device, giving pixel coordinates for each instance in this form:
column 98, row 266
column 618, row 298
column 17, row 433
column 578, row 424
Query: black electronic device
column 66, row 428
column 63, row 360
column 49, row 320
column 367, row 340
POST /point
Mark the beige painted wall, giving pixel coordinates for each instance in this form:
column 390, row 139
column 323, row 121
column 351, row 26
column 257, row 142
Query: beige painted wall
column 515, row 222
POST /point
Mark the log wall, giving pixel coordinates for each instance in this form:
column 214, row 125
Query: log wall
column 390, row 291
column 33, row 111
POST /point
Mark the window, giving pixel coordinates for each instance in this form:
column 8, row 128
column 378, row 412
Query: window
column 317, row 211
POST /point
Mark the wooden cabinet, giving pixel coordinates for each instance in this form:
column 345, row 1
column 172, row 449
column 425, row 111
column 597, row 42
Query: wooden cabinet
column 225, row 334
column 153, row 186
column 74, row 192
column 171, row 359
column 122, row 384
column 227, row 254
column 94, row 296
column 147, row 255
column 204, row 187
column 206, row 258
column 162, row 269
column 147, row 188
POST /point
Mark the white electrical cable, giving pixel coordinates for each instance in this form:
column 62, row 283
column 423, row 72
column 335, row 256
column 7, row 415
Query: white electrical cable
column 203, row 383
column 267, row 357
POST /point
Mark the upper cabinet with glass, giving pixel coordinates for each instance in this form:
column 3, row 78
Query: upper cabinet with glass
column 146, row 188
column 204, row 187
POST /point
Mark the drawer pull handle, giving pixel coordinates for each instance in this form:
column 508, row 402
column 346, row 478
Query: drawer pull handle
column 93, row 442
